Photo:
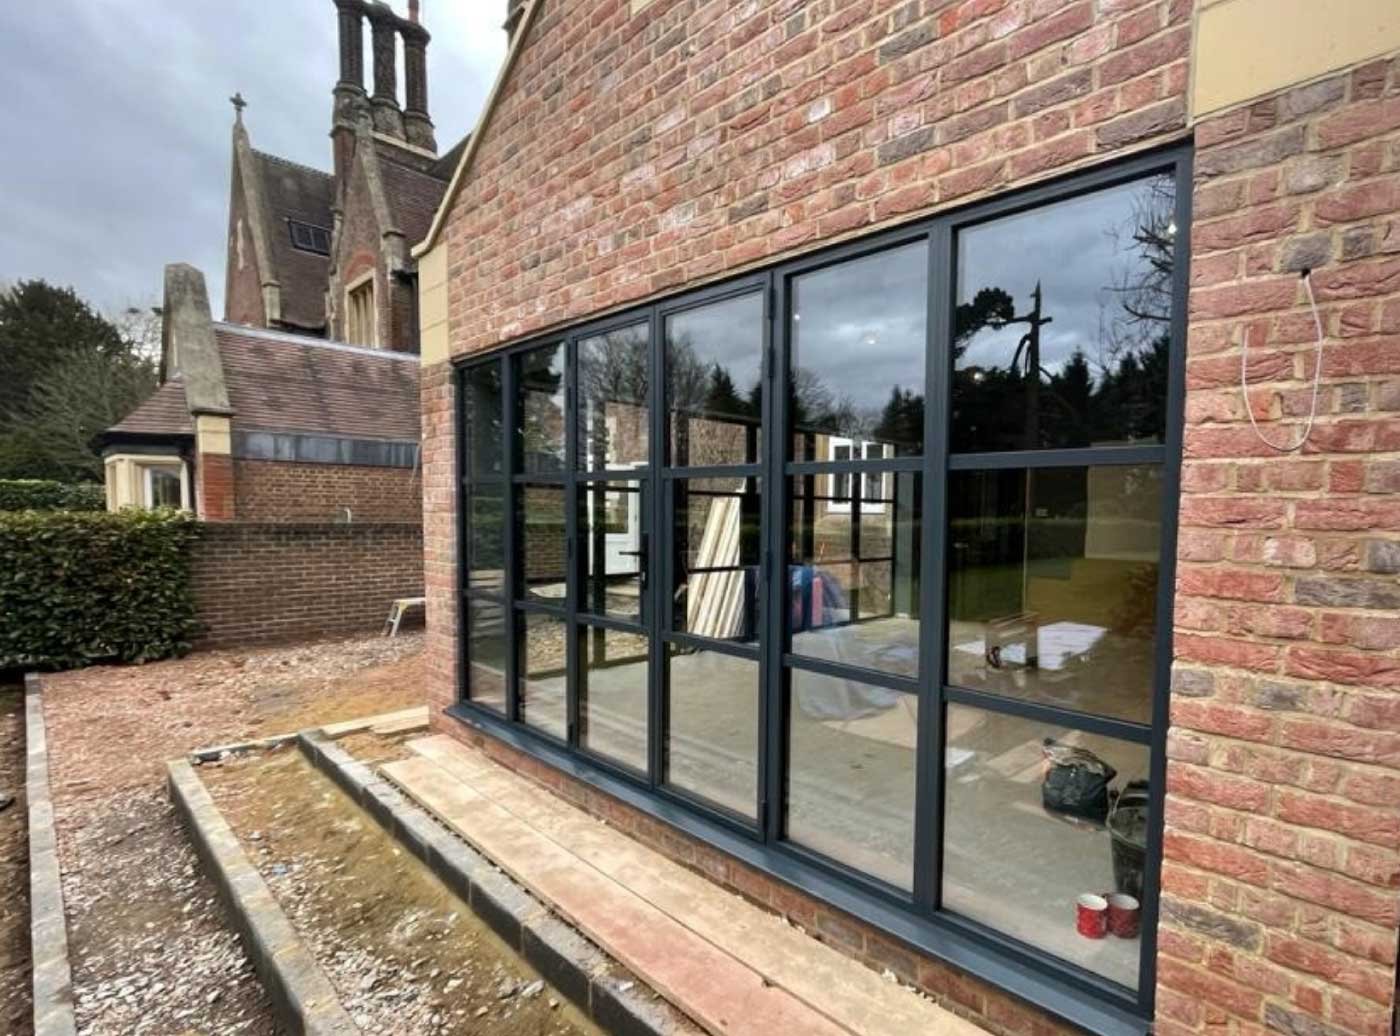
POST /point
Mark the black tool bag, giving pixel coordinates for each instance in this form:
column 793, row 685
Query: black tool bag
column 1076, row 782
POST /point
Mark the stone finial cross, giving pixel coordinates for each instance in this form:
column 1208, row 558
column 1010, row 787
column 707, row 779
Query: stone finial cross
column 238, row 105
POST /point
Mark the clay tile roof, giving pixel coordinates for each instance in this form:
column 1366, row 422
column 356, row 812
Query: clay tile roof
column 413, row 197
column 163, row 413
column 282, row 383
column 303, row 194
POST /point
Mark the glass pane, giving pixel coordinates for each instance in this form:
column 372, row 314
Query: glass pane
column 712, row 743
column 1035, row 818
column 854, row 570
column 486, row 550
column 717, row 547
column 714, row 383
column 165, row 487
column 1052, row 585
column 858, row 346
column 612, row 399
column 484, row 416
column 543, row 661
column 1063, row 323
column 613, row 696
column 612, row 530
column 544, row 544
column 541, row 391
column 850, row 784
column 486, row 653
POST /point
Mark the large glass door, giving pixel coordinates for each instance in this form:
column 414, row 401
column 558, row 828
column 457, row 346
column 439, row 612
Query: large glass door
column 713, row 354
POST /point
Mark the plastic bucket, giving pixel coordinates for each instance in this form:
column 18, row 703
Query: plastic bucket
column 1127, row 831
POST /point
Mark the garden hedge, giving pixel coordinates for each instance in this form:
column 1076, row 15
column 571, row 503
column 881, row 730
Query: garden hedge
column 39, row 495
column 80, row 588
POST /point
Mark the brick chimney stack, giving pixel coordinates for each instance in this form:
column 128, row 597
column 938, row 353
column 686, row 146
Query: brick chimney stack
column 418, row 125
column 384, row 105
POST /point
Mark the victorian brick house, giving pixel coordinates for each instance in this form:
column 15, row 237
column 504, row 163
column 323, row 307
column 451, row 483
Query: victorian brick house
column 1051, row 590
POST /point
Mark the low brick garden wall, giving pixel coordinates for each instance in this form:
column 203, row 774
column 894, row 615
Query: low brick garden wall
column 259, row 582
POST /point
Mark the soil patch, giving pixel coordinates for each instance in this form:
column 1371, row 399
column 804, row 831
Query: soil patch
column 16, row 1004
column 404, row 953
column 150, row 948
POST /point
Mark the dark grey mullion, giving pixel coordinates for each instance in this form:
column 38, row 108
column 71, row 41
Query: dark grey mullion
column 654, row 532
column 751, row 652
column 841, row 467
column 575, row 556
column 875, row 677
column 713, row 471
column 1166, row 586
column 462, row 658
column 1121, row 729
column 773, row 714
column 514, row 575
column 1079, row 456
column 928, row 817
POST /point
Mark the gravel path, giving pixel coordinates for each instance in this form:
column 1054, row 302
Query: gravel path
column 151, row 952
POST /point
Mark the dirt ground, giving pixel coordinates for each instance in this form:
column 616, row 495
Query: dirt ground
column 15, row 1013
column 150, row 950
column 405, row 954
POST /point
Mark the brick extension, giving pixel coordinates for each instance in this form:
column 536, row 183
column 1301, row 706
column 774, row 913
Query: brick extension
column 276, row 491
column 715, row 137
column 266, row 582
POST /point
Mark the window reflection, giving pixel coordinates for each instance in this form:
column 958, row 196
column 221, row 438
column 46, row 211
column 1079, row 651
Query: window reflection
column 716, row 544
column 859, row 341
column 541, row 401
column 614, row 575
column 543, row 662
column 486, row 653
column 545, row 547
column 1063, row 323
column 712, row 740
column 714, row 383
column 613, row 696
column 1053, row 585
column 483, row 416
column 850, row 787
column 854, row 569
column 612, row 399
column 486, row 552
column 1037, row 816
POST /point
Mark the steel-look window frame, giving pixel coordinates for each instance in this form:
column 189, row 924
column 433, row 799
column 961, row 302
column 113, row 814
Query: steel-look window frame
column 1080, row 996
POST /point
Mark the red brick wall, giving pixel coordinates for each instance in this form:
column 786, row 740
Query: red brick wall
column 630, row 155
column 214, row 496
column 264, row 582
column 437, row 390
column 275, row 491
column 1283, row 817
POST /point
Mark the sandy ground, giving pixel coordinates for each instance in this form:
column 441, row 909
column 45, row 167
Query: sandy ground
column 406, row 956
column 15, row 1013
column 150, row 950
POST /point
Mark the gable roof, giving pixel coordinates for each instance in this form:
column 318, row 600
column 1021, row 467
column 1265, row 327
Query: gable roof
column 412, row 195
column 290, row 383
column 296, row 192
column 470, row 144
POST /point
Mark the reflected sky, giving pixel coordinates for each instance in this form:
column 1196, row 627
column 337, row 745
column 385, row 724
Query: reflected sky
column 1083, row 253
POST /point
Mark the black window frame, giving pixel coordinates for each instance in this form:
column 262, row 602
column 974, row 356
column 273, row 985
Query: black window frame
column 1074, row 993
column 311, row 230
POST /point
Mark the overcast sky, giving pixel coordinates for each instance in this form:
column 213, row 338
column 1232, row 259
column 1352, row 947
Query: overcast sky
column 115, row 131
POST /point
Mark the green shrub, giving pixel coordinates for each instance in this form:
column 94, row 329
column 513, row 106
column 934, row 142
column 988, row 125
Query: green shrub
column 78, row 588
column 25, row 494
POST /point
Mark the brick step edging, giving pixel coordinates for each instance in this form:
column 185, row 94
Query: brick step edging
column 48, row 930
column 599, row 986
column 301, row 994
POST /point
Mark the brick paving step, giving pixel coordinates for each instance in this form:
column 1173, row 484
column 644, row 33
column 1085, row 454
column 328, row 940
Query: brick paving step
column 732, row 966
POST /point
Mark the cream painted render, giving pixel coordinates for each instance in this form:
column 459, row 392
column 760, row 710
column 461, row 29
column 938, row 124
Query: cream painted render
column 127, row 483
column 434, row 345
column 1247, row 49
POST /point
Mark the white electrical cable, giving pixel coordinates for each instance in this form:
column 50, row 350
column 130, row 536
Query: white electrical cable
column 1317, row 379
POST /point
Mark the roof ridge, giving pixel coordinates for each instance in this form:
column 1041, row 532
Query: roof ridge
column 318, row 343
column 294, row 165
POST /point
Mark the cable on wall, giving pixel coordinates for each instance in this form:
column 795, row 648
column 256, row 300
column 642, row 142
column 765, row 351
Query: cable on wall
column 1317, row 378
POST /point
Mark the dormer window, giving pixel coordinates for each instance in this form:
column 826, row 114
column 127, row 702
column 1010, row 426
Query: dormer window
column 307, row 237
